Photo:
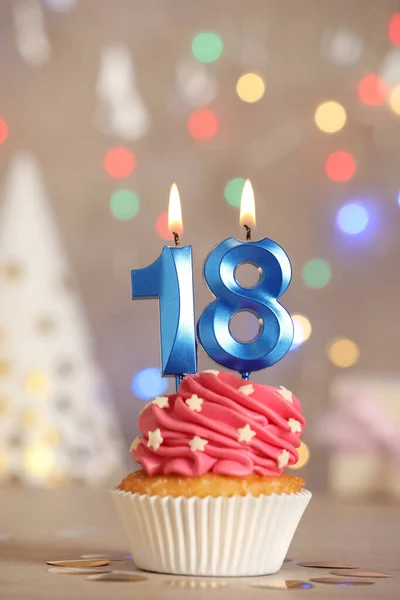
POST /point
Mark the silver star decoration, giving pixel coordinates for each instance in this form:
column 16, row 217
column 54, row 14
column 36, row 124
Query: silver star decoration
column 135, row 444
column 246, row 389
column 197, row 443
column 212, row 371
column 246, row 434
column 294, row 426
column 283, row 459
column 194, row 403
column 155, row 439
column 161, row 401
column 286, row 394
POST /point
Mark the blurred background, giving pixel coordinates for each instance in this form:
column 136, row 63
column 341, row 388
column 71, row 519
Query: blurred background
column 102, row 106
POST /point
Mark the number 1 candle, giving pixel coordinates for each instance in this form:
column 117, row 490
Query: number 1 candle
column 170, row 279
column 276, row 327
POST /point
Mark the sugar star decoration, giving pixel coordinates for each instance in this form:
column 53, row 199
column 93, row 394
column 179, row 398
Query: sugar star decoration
column 283, row 459
column 212, row 371
column 161, row 401
column 197, row 443
column 155, row 439
column 286, row 394
column 246, row 389
column 194, row 403
column 294, row 426
column 246, row 434
column 135, row 444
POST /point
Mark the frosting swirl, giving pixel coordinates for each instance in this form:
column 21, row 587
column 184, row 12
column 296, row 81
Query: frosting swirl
column 219, row 423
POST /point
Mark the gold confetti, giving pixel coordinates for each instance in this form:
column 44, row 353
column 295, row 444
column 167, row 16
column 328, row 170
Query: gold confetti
column 78, row 563
column 337, row 581
column 76, row 570
column 118, row 576
column 37, row 384
column 357, row 573
column 328, row 565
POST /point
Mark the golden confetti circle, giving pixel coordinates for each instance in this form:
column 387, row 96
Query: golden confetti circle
column 304, row 457
column 37, row 384
column 39, row 460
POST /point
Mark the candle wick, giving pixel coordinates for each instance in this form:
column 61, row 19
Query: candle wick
column 248, row 233
column 176, row 238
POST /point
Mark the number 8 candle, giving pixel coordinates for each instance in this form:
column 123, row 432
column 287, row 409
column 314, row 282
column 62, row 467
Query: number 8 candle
column 170, row 279
column 276, row 327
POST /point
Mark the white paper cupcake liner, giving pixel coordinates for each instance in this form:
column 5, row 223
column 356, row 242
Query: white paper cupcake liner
column 220, row 537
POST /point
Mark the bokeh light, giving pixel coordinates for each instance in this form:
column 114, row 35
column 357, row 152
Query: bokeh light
column 61, row 6
column 352, row 218
column 207, row 47
column 330, row 117
column 124, row 204
column 3, row 131
column 304, row 456
column 343, row 352
column 203, row 124
column 250, row 87
column 162, row 230
column 343, row 47
column 148, row 383
column 316, row 273
column 372, row 90
column 302, row 330
column 39, row 460
column 37, row 384
column 233, row 190
column 398, row 197
column 119, row 162
column 394, row 99
column 340, row 166
column 394, row 29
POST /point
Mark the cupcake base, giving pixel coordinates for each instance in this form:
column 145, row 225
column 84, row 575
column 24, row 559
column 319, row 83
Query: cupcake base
column 220, row 537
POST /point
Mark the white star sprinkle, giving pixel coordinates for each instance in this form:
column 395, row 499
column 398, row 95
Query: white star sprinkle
column 135, row 444
column 246, row 389
column 213, row 371
column 246, row 434
column 197, row 443
column 155, row 439
column 283, row 459
column 194, row 403
column 286, row 394
column 161, row 401
column 294, row 426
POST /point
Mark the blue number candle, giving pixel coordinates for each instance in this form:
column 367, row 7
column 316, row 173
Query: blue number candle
column 170, row 279
column 276, row 327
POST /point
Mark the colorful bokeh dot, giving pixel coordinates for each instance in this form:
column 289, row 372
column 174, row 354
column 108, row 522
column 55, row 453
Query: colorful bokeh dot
column 316, row 273
column 302, row 330
column 207, row 47
column 394, row 29
column 233, row 190
column 124, row 204
column 394, row 99
column 352, row 218
column 119, row 162
column 372, row 90
column 3, row 131
column 330, row 117
column 162, row 230
column 39, row 460
column 203, row 124
column 250, row 87
column 148, row 383
column 343, row 352
column 340, row 166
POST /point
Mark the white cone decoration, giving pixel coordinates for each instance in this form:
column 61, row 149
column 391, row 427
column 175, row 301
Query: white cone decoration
column 30, row 36
column 194, row 83
column 56, row 422
column 120, row 109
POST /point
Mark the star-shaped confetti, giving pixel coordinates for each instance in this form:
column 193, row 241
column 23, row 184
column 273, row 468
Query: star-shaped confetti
column 135, row 444
column 161, row 401
column 197, row 443
column 283, row 459
column 246, row 389
column 294, row 426
column 212, row 371
column 194, row 403
column 246, row 434
column 155, row 439
column 286, row 394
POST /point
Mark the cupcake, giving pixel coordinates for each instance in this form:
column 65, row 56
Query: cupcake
column 211, row 497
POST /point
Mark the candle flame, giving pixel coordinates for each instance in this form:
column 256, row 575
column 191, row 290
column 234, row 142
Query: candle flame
column 175, row 223
column 247, row 206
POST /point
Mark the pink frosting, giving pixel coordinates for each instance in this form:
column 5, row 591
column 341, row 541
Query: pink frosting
column 273, row 416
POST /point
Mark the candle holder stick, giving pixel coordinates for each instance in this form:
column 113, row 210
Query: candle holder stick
column 178, row 379
column 245, row 375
